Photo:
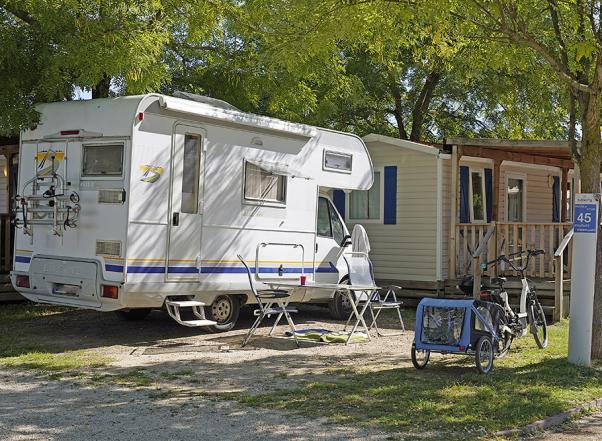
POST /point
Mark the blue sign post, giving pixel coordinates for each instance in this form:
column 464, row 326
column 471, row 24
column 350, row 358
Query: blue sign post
column 585, row 220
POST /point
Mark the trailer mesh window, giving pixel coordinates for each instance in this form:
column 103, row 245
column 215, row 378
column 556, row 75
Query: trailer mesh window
column 102, row 160
column 263, row 185
column 442, row 325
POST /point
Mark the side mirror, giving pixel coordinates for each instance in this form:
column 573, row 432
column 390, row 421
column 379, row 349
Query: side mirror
column 346, row 241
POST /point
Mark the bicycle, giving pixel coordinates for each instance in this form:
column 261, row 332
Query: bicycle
column 531, row 314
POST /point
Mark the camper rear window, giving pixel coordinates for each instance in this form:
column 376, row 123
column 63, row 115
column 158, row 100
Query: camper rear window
column 262, row 185
column 102, row 160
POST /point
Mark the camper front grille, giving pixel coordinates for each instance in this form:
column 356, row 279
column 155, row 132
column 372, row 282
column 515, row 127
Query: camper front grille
column 110, row 196
column 108, row 248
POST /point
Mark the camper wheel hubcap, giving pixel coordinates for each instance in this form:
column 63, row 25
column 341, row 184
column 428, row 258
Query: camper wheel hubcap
column 221, row 309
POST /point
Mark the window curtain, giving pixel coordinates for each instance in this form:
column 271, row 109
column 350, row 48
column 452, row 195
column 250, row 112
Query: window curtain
column 489, row 193
column 556, row 199
column 464, row 195
column 338, row 197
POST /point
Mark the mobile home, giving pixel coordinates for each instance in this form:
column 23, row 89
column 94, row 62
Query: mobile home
column 431, row 205
column 126, row 203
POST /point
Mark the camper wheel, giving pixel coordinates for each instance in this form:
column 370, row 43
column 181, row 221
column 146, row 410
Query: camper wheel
column 339, row 306
column 133, row 314
column 224, row 310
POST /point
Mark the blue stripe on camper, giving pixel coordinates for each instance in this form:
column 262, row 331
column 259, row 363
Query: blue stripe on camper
column 556, row 200
column 182, row 270
column 338, row 197
column 464, row 202
column 114, row 268
column 489, row 193
column 390, row 197
column 22, row 259
column 146, row 269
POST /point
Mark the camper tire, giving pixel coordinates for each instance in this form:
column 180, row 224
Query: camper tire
column 339, row 306
column 224, row 310
column 132, row 315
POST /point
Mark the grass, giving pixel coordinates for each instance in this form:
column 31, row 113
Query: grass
column 20, row 350
column 449, row 400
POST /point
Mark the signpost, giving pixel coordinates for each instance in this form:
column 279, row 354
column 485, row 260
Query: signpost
column 583, row 278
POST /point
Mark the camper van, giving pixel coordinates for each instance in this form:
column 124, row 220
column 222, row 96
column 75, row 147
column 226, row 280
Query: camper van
column 143, row 202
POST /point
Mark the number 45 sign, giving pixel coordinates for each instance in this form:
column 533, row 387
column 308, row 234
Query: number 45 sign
column 586, row 214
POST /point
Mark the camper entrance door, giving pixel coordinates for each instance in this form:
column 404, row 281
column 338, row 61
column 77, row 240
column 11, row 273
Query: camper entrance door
column 184, row 248
column 329, row 234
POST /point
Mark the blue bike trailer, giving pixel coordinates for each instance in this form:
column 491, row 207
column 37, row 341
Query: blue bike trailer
column 455, row 326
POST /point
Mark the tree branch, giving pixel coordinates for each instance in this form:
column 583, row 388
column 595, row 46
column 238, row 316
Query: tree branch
column 21, row 14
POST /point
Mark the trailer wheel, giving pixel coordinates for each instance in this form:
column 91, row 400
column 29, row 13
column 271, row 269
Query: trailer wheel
column 484, row 355
column 339, row 306
column 224, row 310
column 133, row 314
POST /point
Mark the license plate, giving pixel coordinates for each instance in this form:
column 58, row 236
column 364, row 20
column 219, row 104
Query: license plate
column 65, row 290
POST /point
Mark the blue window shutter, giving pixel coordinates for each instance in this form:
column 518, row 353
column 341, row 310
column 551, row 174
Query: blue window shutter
column 556, row 200
column 338, row 197
column 390, row 196
column 464, row 194
column 489, row 193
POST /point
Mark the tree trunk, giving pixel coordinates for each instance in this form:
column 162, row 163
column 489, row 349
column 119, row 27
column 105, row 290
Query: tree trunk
column 421, row 106
column 589, row 169
column 398, row 111
column 102, row 89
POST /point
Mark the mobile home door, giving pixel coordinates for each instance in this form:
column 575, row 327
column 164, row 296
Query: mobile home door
column 184, row 247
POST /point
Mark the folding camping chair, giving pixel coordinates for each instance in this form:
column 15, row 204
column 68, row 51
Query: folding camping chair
column 266, row 299
column 361, row 274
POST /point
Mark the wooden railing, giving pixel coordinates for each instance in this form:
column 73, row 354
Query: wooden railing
column 6, row 245
column 563, row 248
column 509, row 238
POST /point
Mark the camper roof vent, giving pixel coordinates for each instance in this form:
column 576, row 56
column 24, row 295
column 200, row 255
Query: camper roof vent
column 205, row 100
column 108, row 248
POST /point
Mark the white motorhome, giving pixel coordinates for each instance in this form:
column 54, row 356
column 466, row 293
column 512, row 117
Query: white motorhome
column 134, row 203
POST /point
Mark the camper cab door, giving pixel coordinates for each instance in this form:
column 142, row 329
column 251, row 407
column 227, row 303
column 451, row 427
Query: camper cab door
column 184, row 242
column 330, row 233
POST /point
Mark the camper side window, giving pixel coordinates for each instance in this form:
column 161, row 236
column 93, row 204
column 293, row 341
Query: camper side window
column 102, row 160
column 262, row 185
column 190, row 174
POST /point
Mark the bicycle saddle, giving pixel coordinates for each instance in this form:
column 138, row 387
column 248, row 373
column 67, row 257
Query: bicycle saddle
column 499, row 280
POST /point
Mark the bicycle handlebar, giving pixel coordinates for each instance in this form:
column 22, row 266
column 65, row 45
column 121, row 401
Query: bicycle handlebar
column 504, row 258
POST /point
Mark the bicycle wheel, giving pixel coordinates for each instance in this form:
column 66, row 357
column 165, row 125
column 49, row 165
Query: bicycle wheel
column 420, row 358
column 539, row 326
column 484, row 355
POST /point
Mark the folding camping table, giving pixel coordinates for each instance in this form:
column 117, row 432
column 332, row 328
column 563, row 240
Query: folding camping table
column 292, row 285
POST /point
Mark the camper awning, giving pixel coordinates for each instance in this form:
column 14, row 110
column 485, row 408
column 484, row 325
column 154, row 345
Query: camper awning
column 279, row 168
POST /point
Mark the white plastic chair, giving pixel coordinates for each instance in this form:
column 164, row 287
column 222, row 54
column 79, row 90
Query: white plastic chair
column 360, row 273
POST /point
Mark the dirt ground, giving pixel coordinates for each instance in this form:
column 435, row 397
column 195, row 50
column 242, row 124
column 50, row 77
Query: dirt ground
column 184, row 361
column 188, row 367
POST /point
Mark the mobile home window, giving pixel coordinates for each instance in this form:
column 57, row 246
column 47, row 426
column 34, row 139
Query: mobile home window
column 191, row 174
column 102, row 160
column 365, row 204
column 262, row 185
column 516, row 194
column 477, row 189
column 337, row 161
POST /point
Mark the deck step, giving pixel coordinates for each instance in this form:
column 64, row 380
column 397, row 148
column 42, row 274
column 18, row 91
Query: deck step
column 197, row 323
column 173, row 309
column 184, row 303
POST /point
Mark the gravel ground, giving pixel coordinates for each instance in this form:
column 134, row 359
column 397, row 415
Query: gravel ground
column 35, row 410
column 183, row 362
